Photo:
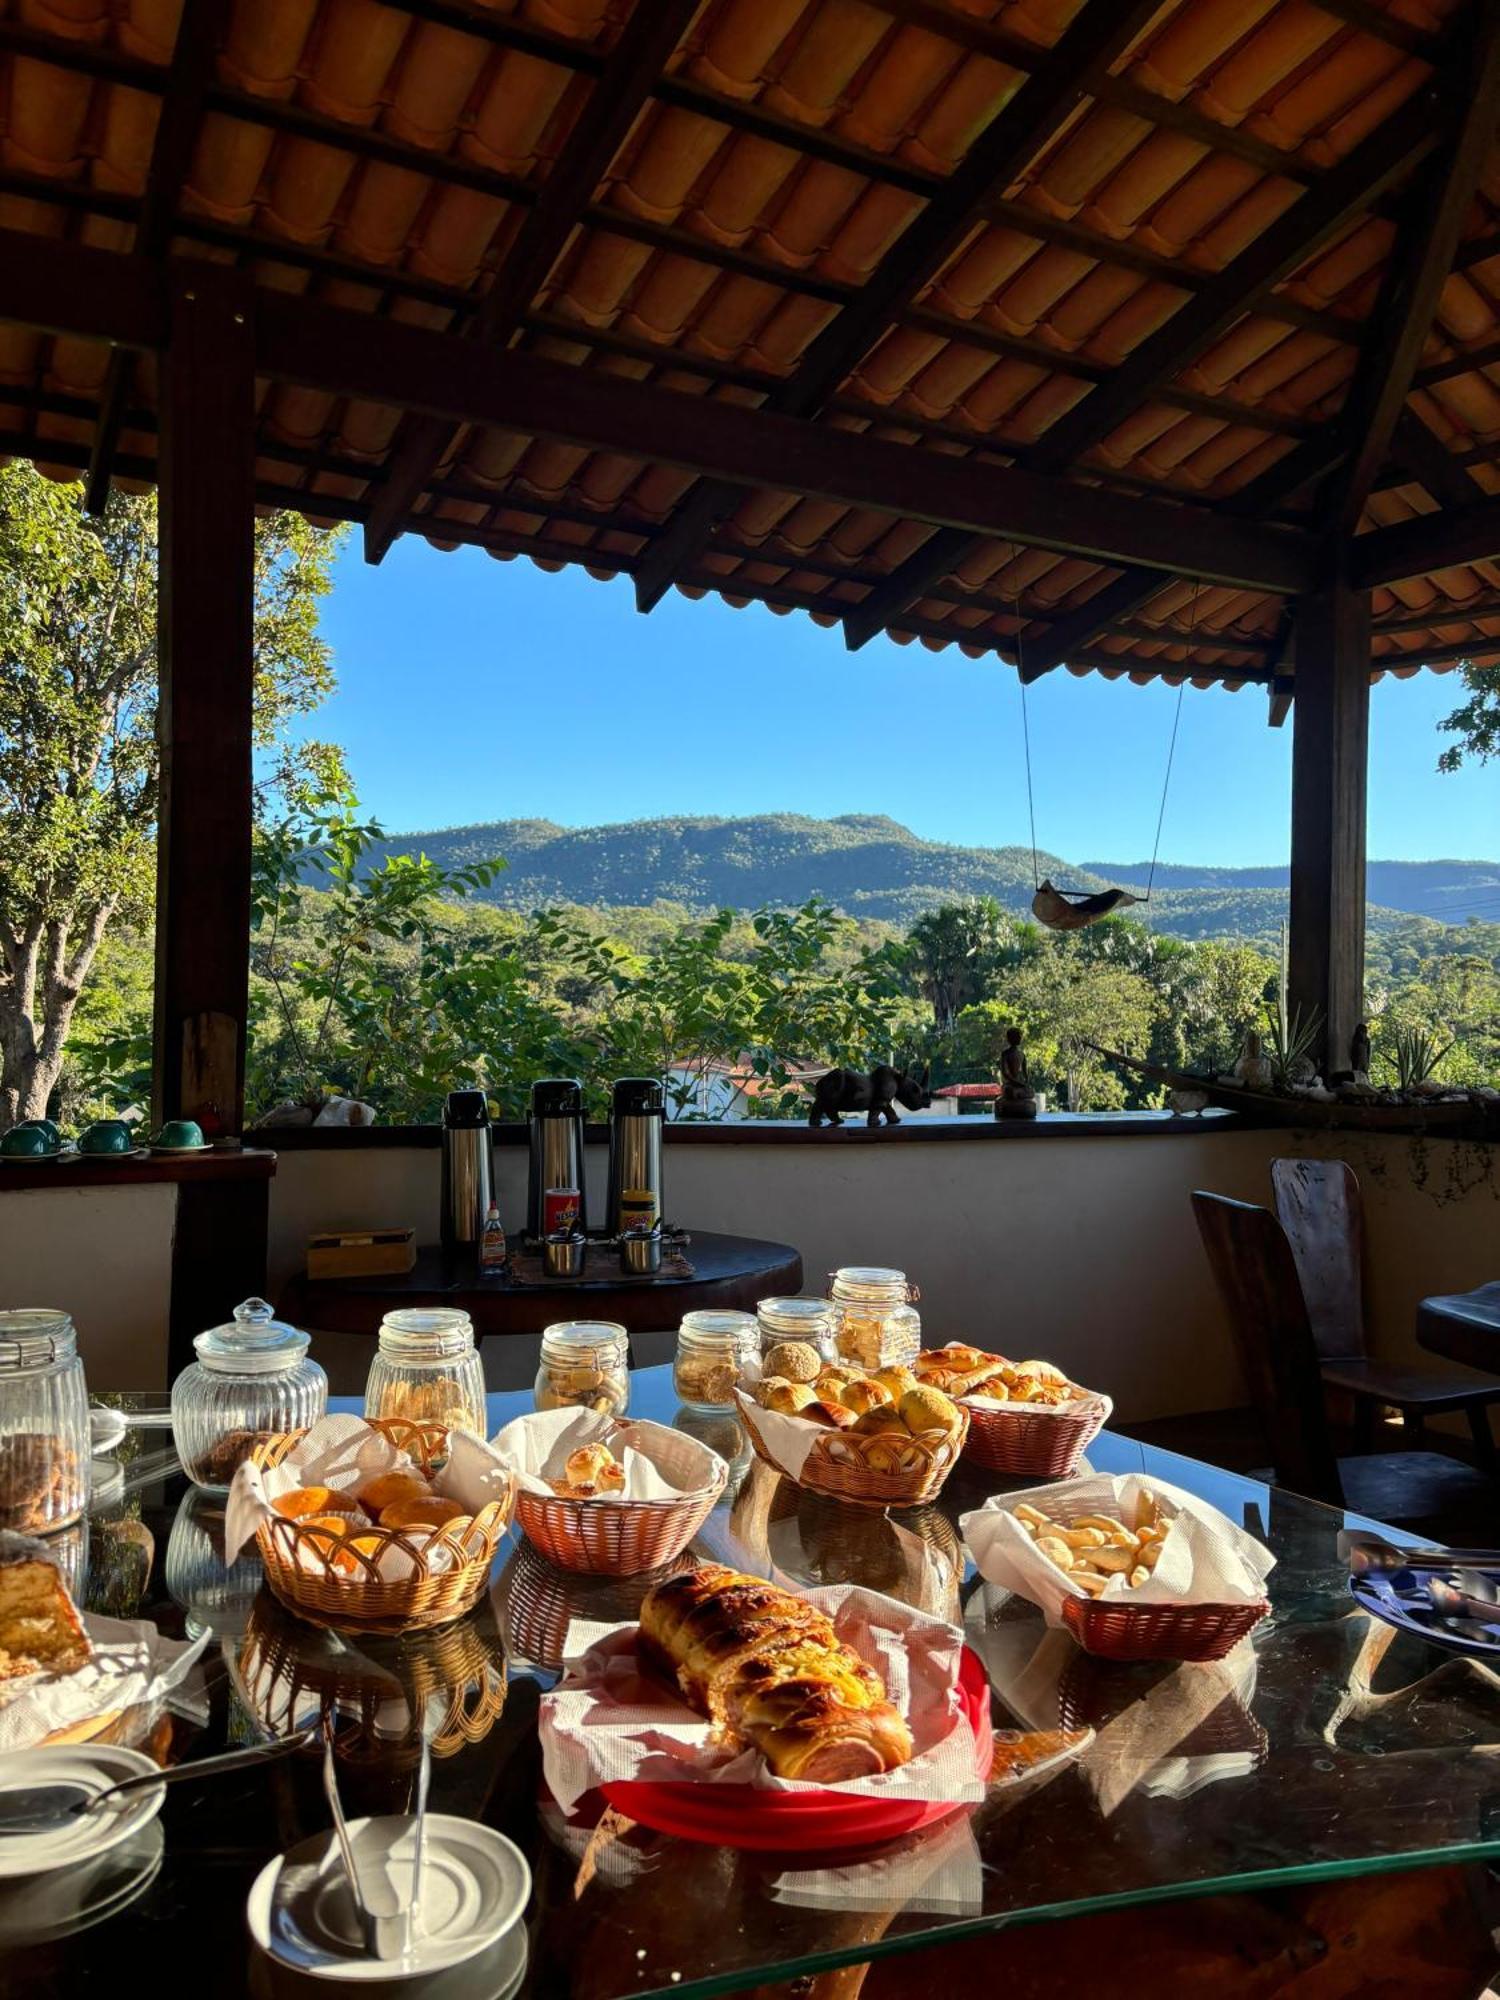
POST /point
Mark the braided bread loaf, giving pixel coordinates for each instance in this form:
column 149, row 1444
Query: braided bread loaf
column 768, row 1671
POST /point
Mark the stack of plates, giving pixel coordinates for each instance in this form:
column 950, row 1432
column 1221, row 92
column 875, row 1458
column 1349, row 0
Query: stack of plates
column 469, row 1943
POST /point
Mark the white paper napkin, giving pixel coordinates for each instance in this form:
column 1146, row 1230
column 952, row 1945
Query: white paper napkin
column 131, row 1663
column 608, row 1720
column 342, row 1452
column 658, row 1463
column 1205, row 1558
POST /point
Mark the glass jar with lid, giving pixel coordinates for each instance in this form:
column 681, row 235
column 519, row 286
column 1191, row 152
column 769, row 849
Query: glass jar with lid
column 427, row 1369
column 251, row 1382
column 44, row 1421
column 797, row 1319
column 875, row 1322
column 586, row 1365
column 712, row 1349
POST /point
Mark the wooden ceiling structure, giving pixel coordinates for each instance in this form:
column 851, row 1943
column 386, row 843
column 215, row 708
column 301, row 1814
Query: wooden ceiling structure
column 1155, row 339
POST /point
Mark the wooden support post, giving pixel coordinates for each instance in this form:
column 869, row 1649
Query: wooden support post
column 1330, row 745
column 206, row 647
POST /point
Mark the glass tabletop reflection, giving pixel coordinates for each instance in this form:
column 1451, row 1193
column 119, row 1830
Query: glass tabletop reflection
column 1324, row 1745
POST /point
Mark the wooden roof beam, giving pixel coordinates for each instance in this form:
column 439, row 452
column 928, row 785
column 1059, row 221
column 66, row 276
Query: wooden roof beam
column 1040, row 108
column 199, row 32
column 1428, row 459
column 1346, row 191
column 640, row 55
column 464, row 381
column 1426, row 542
column 1421, row 260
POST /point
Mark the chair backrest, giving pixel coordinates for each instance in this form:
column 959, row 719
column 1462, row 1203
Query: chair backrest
column 1319, row 1204
column 1253, row 1266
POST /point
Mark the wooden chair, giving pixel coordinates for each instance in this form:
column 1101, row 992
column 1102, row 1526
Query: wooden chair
column 1320, row 1208
column 1256, row 1274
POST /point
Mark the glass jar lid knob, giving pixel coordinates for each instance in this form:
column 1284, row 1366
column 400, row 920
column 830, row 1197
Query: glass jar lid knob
column 253, row 1341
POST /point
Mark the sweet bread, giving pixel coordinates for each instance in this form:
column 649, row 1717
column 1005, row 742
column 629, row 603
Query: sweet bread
column 40, row 1630
column 864, row 1395
column 431, row 1510
column 305, row 1501
column 769, row 1671
column 833, row 1416
column 387, row 1487
column 591, row 1470
column 796, row 1360
column 790, row 1398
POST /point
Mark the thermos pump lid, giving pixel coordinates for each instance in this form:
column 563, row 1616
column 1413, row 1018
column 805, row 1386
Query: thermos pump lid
column 557, row 1097
column 466, row 1109
column 638, row 1096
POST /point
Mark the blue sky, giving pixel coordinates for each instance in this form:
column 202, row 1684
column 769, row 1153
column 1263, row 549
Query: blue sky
column 471, row 689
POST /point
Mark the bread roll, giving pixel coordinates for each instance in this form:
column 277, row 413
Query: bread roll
column 387, row 1487
column 768, row 1670
column 797, row 1360
column 864, row 1394
column 790, row 1398
column 433, row 1510
column 833, row 1415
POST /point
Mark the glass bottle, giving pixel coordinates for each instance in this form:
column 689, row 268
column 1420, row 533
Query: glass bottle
column 797, row 1319
column 875, row 1322
column 252, row 1381
column 585, row 1364
column 44, row 1422
column 427, row 1369
column 712, row 1348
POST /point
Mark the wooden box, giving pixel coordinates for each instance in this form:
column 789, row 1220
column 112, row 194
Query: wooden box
column 361, row 1253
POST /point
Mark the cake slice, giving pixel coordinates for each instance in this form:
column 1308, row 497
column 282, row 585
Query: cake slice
column 40, row 1630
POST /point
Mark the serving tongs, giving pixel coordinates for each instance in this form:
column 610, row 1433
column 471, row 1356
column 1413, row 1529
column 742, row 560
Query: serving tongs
column 385, row 1936
column 1365, row 1552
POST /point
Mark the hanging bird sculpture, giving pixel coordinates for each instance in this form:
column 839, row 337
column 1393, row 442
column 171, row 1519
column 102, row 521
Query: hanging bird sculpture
column 1064, row 913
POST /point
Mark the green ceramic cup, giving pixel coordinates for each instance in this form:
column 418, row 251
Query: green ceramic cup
column 180, row 1135
column 54, row 1135
column 27, row 1142
column 107, row 1138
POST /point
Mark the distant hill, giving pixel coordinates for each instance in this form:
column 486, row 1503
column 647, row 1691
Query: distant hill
column 871, row 866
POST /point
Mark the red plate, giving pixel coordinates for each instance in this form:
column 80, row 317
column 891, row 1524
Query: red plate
column 789, row 1822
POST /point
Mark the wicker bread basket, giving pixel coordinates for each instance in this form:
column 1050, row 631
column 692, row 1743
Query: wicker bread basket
column 333, row 1583
column 1029, row 1442
column 838, row 1465
column 620, row 1537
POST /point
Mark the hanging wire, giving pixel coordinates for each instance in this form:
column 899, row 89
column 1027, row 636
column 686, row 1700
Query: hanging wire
column 1166, row 783
column 1015, row 605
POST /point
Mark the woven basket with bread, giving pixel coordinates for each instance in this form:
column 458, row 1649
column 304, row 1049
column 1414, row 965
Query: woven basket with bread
column 390, row 1553
column 1026, row 1418
column 879, row 1439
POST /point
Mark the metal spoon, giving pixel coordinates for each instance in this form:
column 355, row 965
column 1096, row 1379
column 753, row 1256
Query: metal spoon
column 49, row 1808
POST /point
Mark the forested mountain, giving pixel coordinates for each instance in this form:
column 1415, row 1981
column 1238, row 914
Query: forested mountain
column 871, row 866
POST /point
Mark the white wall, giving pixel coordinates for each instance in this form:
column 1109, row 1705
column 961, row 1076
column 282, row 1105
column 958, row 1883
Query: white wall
column 1079, row 1248
column 104, row 1255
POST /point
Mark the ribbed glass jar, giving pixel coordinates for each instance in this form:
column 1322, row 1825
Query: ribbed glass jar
column 712, row 1349
column 875, row 1323
column 427, row 1369
column 252, row 1381
column 44, row 1422
column 585, row 1364
column 796, row 1319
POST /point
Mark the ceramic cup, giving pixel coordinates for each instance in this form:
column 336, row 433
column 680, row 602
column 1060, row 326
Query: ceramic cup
column 31, row 1141
column 181, row 1134
column 108, row 1137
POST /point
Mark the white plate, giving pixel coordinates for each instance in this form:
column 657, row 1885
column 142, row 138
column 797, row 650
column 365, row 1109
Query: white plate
column 475, row 1884
column 95, row 1766
column 496, row 1974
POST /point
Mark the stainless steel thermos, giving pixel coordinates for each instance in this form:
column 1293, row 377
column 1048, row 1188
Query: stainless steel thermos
column 637, row 1114
column 556, row 1160
column 466, row 1168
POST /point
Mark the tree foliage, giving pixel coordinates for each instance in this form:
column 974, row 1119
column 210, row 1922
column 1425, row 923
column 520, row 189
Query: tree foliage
column 78, row 755
column 1476, row 721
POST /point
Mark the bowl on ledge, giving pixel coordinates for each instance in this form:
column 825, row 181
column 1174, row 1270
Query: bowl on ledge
column 180, row 1135
column 106, row 1139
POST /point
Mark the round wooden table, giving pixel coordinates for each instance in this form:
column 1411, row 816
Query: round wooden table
column 728, row 1271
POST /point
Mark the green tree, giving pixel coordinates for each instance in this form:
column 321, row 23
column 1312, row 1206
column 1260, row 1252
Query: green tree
column 78, row 753
column 951, row 954
column 1476, row 721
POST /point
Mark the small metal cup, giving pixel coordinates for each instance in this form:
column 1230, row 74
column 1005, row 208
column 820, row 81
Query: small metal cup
column 640, row 1254
column 562, row 1256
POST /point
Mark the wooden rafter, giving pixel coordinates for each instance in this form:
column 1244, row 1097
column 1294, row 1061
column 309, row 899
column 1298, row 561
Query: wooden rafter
column 1414, row 446
column 1420, row 262
column 1426, row 542
column 1040, row 108
column 650, row 36
column 1345, row 192
column 188, row 77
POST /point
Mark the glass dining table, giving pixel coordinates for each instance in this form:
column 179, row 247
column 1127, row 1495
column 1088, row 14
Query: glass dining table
column 1325, row 1746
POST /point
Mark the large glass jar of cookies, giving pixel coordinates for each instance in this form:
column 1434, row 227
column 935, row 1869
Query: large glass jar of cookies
column 44, row 1422
column 427, row 1369
column 585, row 1364
column 875, row 1323
column 712, row 1349
column 252, row 1381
